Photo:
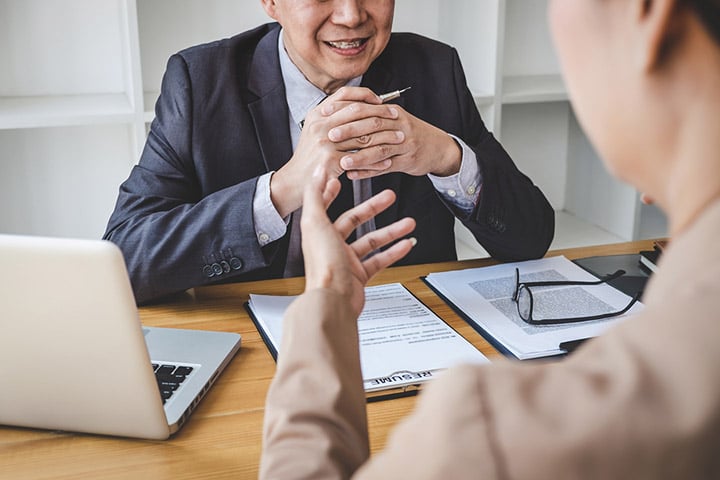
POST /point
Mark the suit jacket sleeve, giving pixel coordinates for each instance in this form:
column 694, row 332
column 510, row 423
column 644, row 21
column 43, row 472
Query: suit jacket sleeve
column 513, row 220
column 173, row 235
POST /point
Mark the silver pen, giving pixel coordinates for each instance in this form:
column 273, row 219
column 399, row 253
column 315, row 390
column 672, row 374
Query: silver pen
column 386, row 97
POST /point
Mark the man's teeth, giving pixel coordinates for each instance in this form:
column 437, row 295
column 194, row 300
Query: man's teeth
column 353, row 44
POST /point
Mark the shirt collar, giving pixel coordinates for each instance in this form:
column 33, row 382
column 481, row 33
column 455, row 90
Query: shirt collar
column 302, row 96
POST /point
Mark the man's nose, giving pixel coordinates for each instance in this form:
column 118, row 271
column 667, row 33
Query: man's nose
column 349, row 13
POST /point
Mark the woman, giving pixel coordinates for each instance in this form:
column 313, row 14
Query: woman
column 642, row 401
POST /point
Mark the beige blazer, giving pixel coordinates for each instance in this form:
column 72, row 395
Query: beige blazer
column 641, row 402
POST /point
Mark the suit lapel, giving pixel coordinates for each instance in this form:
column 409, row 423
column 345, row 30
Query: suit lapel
column 269, row 111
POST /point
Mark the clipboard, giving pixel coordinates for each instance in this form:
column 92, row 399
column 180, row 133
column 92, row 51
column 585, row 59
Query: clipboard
column 401, row 383
column 568, row 347
column 505, row 334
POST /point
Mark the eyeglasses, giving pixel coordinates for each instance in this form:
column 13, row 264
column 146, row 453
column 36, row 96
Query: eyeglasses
column 523, row 297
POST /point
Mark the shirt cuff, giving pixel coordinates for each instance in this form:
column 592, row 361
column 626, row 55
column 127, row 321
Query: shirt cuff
column 461, row 190
column 269, row 225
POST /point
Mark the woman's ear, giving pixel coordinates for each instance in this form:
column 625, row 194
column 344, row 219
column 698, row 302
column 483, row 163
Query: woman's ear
column 660, row 29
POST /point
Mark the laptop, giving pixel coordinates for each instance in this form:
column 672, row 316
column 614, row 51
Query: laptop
column 74, row 355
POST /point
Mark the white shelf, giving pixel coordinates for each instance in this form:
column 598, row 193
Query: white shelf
column 149, row 100
column 64, row 110
column 63, row 47
column 533, row 89
column 527, row 47
column 76, row 71
column 483, row 99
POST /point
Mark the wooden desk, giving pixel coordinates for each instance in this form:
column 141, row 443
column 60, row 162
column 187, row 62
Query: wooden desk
column 222, row 439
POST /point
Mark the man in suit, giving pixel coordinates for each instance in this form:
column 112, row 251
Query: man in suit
column 217, row 193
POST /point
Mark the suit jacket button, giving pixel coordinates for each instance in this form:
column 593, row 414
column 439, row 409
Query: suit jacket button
column 225, row 266
column 208, row 272
column 235, row 263
column 217, row 269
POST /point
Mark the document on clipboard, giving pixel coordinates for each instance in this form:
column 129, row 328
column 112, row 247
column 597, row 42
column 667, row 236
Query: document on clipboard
column 483, row 297
column 403, row 344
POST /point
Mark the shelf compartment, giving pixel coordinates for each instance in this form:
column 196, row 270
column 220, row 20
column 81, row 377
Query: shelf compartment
column 57, row 48
column 536, row 137
column 527, row 48
column 64, row 110
column 62, row 181
column 483, row 99
column 533, row 89
column 593, row 194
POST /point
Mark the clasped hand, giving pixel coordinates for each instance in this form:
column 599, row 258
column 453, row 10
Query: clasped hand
column 353, row 131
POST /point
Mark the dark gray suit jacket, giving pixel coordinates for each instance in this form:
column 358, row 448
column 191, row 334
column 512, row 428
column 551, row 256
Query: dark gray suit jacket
column 184, row 216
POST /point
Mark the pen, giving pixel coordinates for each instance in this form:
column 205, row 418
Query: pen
column 386, row 97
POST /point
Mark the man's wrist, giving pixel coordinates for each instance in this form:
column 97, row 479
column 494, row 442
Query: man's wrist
column 461, row 191
column 269, row 225
column 452, row 159
column 281, row 196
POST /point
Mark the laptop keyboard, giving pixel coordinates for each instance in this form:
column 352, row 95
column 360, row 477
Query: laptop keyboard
column 169, row 378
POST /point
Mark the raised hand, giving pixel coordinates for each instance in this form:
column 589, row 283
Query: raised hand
column 330, row 262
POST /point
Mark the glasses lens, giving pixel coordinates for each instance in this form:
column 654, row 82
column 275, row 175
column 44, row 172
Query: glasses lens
column 524, row 302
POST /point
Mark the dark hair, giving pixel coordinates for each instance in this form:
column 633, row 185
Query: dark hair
column 708, row 11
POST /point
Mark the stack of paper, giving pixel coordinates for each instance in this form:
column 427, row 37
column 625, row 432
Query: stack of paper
column 402, row 342
column 483, row 297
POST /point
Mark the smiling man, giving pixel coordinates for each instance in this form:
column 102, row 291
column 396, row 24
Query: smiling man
column 333, row 42
column 242, row 123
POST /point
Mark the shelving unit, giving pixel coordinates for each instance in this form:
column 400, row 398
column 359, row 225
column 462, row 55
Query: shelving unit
column 531, row 115
column 80, row 79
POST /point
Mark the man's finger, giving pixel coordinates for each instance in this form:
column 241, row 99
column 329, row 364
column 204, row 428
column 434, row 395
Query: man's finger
column 363, row 174
column 356, row 94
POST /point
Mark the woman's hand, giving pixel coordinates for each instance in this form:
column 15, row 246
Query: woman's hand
column 330, row 262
